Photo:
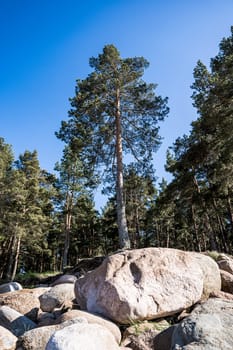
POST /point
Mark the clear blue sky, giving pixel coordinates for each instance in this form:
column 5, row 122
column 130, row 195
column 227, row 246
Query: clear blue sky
column 46, row 46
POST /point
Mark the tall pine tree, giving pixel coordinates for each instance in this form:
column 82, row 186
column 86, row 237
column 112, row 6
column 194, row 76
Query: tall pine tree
column 115, row 112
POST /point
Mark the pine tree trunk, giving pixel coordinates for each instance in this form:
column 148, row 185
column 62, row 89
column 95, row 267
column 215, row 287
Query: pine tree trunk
column 11, row 258
column 16, row 259
column 221, row 227
column 137, row 228
column 66, row 245
column 168, row 238
column 121, row 215
column 68, row 218
column 195, row 228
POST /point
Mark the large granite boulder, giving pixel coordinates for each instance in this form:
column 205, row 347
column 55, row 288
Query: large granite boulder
column 91, row 318
column 36, row 339
column 14, row 321
column 24, row 301
column 56, row 296
column 82, row 337
column 209, row 327
column 7, row 339
column 146, row 284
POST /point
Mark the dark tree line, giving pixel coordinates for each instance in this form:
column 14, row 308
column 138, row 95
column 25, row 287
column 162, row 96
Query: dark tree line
column 195, row 209
column 48, row 222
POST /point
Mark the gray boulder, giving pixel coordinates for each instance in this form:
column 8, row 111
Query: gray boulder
column 24, row 301
column 36, row 339
column 209, row 327
column 64, row 279
column 56, row 296
column 82, row 337
column 10, row 287
column 14, row 321
column 163, row 340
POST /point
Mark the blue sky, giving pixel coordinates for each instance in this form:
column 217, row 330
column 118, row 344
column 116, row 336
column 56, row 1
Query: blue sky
column 46, row 46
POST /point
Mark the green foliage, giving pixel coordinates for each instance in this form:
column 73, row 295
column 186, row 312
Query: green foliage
column 213, row 254
column 140, row 194
column 139, row 327
column 109, row 231
column 91, row 126
column 30, row 278
column 72, row 186
column 114, row 112
column 26, row 206
column 200, row 194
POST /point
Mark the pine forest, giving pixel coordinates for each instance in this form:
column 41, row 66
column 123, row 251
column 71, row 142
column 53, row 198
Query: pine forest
column 48, row 221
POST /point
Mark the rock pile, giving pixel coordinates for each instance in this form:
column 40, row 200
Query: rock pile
column 128, row 302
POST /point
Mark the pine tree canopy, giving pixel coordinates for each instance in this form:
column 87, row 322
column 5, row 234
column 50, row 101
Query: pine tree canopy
column 92, row 119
